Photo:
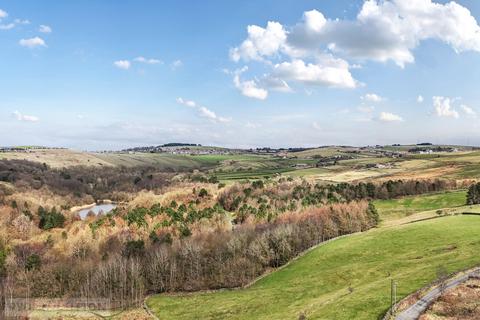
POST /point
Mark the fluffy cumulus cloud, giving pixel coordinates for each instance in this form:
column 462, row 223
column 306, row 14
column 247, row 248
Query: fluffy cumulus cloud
column 32, row 42
column 372, row 97
column 389, row 30
column 122, row 64
column 203, row 112
column 250, row 88
column 443, row 107
column 420, row 99
column 45, row 29
column 382, row 31
column 260, row 43
column 23, row 117
column 334, row 73
column 389, row 117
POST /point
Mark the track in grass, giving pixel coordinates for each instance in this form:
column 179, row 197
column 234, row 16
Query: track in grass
column 346, row 279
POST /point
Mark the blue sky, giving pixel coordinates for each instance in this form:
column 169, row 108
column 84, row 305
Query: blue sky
column 109, row 74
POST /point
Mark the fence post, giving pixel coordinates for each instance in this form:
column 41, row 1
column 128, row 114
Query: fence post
column 393, row 297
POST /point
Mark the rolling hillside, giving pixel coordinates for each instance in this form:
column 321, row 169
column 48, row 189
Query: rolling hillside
column 345, row 279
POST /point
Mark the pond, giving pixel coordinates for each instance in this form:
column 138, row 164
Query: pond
column 103, row 208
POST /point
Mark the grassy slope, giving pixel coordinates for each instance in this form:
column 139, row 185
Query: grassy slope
column 398, row 208
column 166, row 161
column 57, row 158
column 318, row 282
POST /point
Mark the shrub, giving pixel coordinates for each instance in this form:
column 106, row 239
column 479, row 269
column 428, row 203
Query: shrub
column 473, row 194
column 153, row 237
column 33, row 262
column 203, row 193
column 258, row 184
column 136, row 216
column 185, row 231
column 50, row 219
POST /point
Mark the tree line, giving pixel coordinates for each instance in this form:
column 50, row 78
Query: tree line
column 205, row 261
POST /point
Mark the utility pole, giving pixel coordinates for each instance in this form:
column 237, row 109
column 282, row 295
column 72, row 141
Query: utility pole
column 393, row 297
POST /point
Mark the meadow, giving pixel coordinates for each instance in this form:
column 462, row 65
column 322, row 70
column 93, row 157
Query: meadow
column 406, row 206
column 345, row 279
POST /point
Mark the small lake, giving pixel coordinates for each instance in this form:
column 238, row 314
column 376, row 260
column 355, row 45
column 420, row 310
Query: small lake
column 97, row 209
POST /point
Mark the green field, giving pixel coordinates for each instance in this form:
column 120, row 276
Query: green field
column 399, row 208
column 345, row 279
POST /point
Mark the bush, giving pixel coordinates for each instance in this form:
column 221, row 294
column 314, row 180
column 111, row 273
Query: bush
column 258, row 184
column 33, row 262
column 473, row 194
column 153, row 237
column 50, row 219
column 136, row 216
column 203, row 193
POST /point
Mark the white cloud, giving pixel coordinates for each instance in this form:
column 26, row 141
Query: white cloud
column 13, row 24
column 44, row 29
column 3, row 14
column 32, row 42
column 188, row 103
column 122, row 64
column 176, row 64
column 250, row 88
column 203, row 111
column 20, row 21
column 372, row 97
column 276, row 84
column 389, row 30
column 389, row 117
column 23, row 117
column 420, row 99
column 334, row 73
column 260, row 43
column 443, row 108
column 147, row 61
column 468, row 111
column 209, row 114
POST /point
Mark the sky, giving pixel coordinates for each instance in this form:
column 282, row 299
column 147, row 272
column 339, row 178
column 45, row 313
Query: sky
column 107, row 74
